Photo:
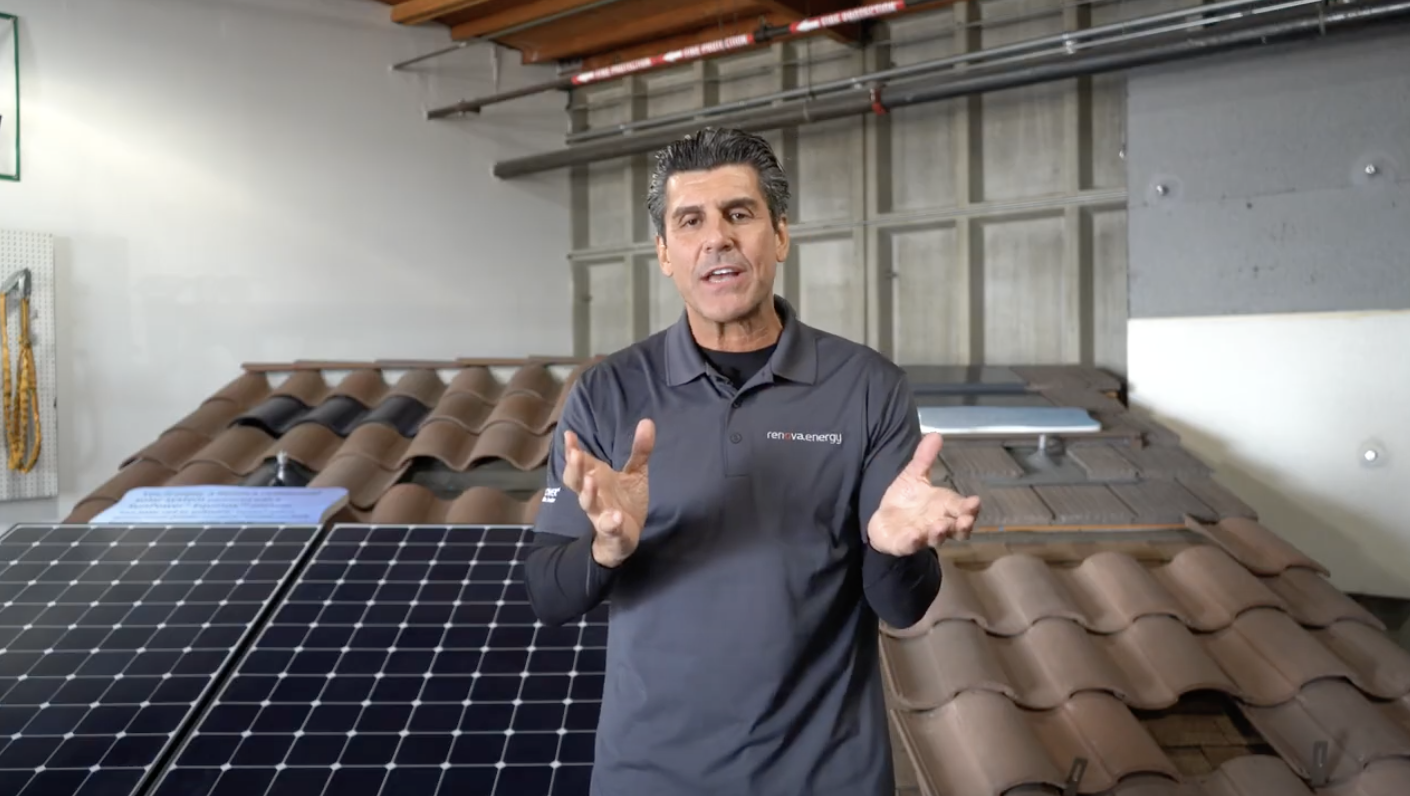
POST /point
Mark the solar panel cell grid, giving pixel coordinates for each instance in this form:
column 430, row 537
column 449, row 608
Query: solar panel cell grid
column 109, row 636
column 405, row 661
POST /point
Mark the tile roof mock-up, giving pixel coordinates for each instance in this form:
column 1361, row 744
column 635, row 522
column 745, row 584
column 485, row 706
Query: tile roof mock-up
column 413, row 442
column 1122, row 624
column 1119, row 624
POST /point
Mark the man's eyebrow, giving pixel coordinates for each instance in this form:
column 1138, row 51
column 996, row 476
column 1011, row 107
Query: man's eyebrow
column 743, row 201
column 747, row 202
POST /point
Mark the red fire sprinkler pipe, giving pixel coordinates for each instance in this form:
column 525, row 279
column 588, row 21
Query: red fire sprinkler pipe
column 694, row 52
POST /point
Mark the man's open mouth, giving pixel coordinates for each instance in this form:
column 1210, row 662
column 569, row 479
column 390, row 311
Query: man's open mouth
column 724, row 274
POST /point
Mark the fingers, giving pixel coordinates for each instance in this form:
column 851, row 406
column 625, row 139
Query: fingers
column 940, row 530
column 964, row 526
column 924, row 457
column 573, row 466
column 609, row 524
column 964, row 512
column 642, row 445
column 587, row 494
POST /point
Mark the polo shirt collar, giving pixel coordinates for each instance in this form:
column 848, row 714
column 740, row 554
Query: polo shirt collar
column 795, row 358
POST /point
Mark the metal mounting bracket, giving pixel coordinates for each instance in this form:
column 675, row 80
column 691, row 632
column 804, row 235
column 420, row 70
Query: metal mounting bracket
column 18, row 282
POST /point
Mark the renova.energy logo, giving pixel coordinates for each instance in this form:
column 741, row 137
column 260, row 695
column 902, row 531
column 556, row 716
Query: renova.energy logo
column 794, row 436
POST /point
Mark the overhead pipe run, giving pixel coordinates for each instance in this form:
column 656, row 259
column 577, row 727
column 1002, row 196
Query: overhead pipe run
column 882, row 99
column 1068, row 41
column 695, row 52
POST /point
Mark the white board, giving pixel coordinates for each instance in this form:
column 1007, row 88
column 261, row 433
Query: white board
column 34, row 251
column 961, row 420
column 9, row 98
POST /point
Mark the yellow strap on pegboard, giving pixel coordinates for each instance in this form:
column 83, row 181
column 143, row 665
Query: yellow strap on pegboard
column 23, row 407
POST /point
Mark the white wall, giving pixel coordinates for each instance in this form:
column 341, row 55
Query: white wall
column 1269, row 287
column 1283, row 406
column 245, row 180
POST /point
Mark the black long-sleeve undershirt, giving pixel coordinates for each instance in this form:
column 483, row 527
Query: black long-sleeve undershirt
column 564, row 581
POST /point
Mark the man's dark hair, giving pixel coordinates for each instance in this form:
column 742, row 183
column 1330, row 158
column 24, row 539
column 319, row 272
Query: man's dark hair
column 712, row 148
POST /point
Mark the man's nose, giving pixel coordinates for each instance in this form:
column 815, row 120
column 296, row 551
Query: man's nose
column 717, row 236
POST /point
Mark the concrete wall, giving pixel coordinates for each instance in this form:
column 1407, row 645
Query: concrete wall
column 1270, row 286
column 983, row 229
column 245, row 180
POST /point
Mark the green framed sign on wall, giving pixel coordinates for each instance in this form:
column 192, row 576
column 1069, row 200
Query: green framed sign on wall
column 9, row 97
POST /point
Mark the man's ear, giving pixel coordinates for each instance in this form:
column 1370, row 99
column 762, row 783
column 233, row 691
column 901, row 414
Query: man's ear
column 663, row 256
column 781, row 239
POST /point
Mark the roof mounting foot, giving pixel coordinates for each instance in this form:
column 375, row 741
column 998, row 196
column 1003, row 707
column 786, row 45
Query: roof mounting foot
column 1074, row 776
column 1319, row 772
column 281, row 476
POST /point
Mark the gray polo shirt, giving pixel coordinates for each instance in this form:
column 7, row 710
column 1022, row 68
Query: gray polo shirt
column 742, row 651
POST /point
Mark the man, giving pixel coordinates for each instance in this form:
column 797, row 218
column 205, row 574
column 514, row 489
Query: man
column 752, row 494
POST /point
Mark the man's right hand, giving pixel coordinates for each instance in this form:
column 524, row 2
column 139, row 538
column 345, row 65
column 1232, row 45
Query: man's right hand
column 614, row 501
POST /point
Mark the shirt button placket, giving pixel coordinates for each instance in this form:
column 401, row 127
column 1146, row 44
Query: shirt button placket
column 736, row 452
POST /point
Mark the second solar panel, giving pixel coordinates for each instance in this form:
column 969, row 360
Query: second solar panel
column 405, row 661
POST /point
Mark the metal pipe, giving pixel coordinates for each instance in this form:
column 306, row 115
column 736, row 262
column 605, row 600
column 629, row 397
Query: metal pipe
column 1058, row 39
column 460, row 45
column 894, row 42
column 694, row 52
column 886, row 98
column 489, row 37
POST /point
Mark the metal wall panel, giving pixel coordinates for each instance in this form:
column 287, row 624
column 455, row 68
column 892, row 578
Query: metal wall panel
column 1268, row 205
column 979, row 229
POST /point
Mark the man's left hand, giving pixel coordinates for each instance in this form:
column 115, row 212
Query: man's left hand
column 915, row 514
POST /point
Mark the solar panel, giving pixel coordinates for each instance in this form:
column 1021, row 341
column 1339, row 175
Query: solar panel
column 110, row 636
column 405, row 660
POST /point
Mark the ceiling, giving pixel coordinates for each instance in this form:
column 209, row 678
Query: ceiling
column 604, row 32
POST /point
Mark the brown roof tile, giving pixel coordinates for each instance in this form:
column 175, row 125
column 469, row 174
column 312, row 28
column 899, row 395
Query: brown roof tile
column 1255, row 546
column 1202, row 587
column 1085, row 504
column 1102, row 463
column 1164, row 461
column 1263, row 658
column 477, row 505
column 1212, row 494
column 980, row 742
column 430, row 438
column 1161, row 502
column 982, row 460
column 1357, row 731
column 1026, row 662
column 1006, row 506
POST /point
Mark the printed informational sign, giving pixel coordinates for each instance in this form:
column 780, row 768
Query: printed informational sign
column 224, row 505
column 9, row 97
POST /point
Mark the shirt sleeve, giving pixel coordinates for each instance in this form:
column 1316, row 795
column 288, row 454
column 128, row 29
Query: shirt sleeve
column 559, row 512
column 893, row 435
column 899, row 589
column 561, row 577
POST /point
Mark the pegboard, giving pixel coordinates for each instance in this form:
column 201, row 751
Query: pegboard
column 34, row 251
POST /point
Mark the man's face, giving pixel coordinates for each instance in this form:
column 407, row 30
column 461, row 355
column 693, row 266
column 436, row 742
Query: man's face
column 720, row 247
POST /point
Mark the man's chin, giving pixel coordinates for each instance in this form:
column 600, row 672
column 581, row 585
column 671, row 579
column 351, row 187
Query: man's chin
column 729, row 310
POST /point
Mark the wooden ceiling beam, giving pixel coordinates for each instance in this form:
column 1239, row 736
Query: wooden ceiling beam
column 518, row 14
column 650, row 27
column 415, row 12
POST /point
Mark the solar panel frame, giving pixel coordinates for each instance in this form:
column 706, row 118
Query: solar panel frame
column 421, row 695
column 117, row 586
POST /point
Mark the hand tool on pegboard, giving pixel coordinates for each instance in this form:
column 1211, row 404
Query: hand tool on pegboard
column 22, row 407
